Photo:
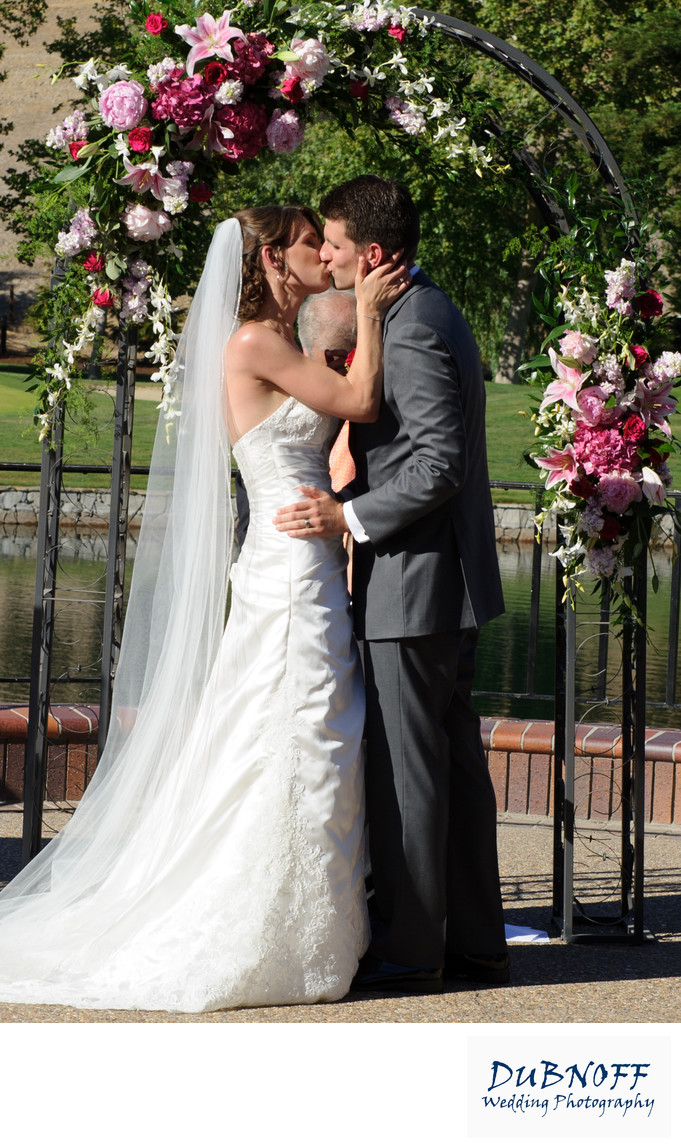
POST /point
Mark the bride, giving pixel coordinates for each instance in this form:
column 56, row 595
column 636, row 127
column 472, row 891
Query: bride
column 215, row 860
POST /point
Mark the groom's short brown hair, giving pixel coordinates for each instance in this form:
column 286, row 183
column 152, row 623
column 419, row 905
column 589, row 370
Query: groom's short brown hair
column 375, row 210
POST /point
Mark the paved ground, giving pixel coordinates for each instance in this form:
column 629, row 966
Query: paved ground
column 552, row 982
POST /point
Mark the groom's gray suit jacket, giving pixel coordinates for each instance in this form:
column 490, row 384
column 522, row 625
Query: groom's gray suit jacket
column 422, row 487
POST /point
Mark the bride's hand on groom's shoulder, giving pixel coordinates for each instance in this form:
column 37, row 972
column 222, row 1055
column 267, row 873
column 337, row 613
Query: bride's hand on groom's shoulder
column 318, row 514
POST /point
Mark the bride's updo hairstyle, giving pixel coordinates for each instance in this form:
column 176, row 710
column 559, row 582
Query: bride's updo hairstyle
column 271, row 226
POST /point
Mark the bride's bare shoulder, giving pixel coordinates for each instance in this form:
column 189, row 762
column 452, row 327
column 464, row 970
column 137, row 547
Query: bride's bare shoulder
column 252, row 339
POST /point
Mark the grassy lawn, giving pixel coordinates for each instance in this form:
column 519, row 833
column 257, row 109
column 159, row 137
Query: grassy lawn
column 508, row 434
column 18, row 436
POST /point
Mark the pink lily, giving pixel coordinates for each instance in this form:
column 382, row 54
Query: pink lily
column 143, row 177
column 210, row 37
column 656, row 404
column 565, row 387
column 561, row 465
column 210, row 135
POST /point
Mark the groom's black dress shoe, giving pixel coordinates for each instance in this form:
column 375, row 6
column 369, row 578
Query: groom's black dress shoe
column 374, row 973
column 487, row 968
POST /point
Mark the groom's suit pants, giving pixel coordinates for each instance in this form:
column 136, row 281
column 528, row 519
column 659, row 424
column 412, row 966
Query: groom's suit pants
column 430, row 803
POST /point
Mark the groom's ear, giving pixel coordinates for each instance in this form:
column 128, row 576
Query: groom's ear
column 375, row 255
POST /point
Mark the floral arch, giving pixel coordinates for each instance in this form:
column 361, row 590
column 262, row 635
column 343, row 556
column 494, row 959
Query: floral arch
column 201, row 90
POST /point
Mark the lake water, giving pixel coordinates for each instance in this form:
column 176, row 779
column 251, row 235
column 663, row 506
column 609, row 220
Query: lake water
column 502, row 658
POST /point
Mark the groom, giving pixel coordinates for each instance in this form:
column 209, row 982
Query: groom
column 425, row 579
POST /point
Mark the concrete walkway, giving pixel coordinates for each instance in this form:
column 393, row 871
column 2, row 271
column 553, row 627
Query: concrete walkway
column 552, row 982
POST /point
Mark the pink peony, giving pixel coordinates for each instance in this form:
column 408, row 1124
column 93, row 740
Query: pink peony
column 144, row 224
column 618, row 491
column 102, row 297
column 185, row 101
column 122, row 105
column 313, row 62
column 285, row 132
column 591, row 403
column 602, row 449
column 575, row 345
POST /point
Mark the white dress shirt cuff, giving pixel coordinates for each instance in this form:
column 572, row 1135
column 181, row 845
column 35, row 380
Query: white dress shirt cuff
column 356, row 529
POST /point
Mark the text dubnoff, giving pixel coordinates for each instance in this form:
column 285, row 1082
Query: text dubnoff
column 549, row 1087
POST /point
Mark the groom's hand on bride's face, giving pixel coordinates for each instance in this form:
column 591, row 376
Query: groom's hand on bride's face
column 318, row 514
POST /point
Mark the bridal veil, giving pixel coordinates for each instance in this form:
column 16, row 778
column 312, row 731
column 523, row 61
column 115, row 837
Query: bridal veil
column 174, row 623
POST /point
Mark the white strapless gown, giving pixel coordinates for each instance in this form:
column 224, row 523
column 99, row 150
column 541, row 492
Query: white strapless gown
column 248, row 889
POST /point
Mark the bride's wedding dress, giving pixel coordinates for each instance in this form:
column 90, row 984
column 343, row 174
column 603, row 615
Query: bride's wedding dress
column 243, row 886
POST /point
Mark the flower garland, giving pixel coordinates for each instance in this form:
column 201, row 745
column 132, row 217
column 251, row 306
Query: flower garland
column 218, row 88
column 602, row 429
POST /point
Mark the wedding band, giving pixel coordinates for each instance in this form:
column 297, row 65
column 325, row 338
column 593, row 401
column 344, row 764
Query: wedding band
column 307, row 524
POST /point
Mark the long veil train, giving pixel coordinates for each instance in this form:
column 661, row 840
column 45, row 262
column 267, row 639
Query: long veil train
column 174, row 622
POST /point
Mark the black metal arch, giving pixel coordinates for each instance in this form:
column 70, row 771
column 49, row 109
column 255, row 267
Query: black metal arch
column 550, row 89
column 584, row 129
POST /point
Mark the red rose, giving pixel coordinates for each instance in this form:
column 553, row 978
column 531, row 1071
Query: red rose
column 582, row 487
column 634, row 429
column 94, row 262
column 350, row 357
column 359, row 89
column 156, row 23
column 102, row 297
column 200, row 193
column 75, row 147
column 611, row 528
column 215, row 73
column 397, row 32
column 640, row 355
column 648, row 304
column 140, row 139
column 292, row 89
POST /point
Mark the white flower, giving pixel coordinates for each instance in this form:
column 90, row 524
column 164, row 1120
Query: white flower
column 87, row 75
column 157, row 73
column 652, row 486
column 230, row 93
column 175, row 203
column 121, row 146
column 397, row 62
column 416, row 87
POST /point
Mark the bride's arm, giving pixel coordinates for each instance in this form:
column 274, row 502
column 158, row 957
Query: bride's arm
column 258, row 352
